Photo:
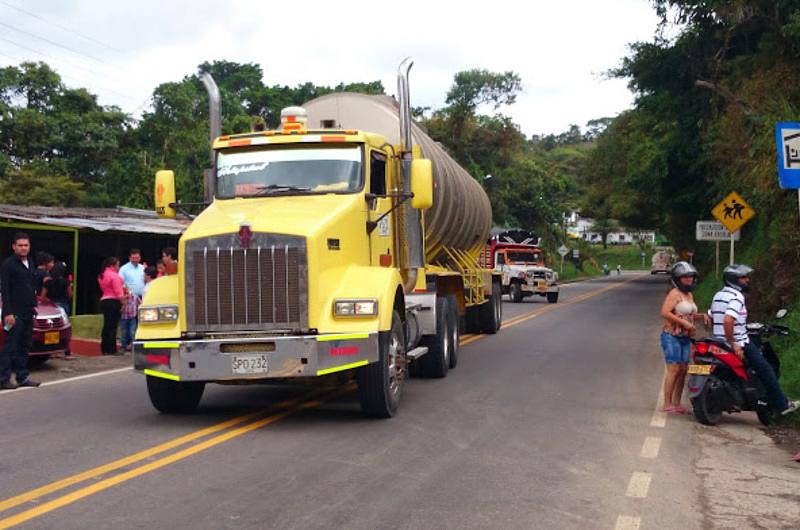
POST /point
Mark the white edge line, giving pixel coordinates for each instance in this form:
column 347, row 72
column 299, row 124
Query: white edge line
column 628, row 522
column 659, row 418
column 651, row 447
column 70, row 379
column 639, row 485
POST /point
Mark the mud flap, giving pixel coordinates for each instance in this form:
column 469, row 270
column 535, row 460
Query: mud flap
column 696, row 384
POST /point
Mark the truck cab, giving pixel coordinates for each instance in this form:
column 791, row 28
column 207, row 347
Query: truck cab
column 521, row 266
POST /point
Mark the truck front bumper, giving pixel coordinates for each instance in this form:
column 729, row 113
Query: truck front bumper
column 539, row 287
column 264, row 358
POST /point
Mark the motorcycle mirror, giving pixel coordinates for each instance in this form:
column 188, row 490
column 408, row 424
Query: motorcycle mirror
column 781, row 313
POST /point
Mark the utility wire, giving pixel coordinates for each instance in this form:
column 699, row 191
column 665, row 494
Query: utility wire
column 63, row 28
column 91, row 72
column 59, row 45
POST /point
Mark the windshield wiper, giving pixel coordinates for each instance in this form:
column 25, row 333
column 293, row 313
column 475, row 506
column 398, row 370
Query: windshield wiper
column 269, row 189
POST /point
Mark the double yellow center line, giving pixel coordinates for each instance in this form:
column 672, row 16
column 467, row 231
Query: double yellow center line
column 289, row 407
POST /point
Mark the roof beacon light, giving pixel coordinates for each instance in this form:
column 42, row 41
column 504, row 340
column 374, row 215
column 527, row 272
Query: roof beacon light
column 293, row 120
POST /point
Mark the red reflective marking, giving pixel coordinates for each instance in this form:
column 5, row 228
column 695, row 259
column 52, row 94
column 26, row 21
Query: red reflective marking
column 332, row 138
column 152, row 358
column 239, row 143
column 385, row 260
column 344, row 350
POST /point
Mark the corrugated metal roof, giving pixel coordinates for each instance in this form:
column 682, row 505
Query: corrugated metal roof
column 119, row 219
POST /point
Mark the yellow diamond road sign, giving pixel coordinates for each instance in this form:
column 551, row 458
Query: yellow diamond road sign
column 733, row 212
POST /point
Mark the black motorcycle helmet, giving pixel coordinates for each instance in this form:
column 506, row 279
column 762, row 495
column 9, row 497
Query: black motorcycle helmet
column 681, row 269
column 734, row 273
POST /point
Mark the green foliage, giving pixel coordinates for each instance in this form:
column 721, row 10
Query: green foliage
column 30, row 186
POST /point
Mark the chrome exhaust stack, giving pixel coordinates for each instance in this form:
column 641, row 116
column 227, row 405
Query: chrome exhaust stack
column 413, row 218
column 214, row 131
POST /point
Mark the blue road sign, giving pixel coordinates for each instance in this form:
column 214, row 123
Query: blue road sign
column 787, row 136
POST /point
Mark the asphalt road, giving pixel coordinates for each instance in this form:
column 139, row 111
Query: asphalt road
column 548, row 424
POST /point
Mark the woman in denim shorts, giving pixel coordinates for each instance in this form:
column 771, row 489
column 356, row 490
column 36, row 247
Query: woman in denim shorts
column 680, row 313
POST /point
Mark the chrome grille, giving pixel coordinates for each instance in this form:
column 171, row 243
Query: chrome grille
column 46, row 323
column 231, row 288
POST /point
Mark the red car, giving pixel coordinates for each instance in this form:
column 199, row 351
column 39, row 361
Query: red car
column 52, row 332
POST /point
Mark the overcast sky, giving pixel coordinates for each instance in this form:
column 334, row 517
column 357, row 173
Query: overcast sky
column 122, row 50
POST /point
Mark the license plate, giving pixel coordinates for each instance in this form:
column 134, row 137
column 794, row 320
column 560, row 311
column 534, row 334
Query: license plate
column 51, row 337
column 249, row 364
column 699, row 369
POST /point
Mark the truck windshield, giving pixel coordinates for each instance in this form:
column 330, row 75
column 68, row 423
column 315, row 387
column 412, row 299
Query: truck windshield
column 289, row 170
column 524, row 257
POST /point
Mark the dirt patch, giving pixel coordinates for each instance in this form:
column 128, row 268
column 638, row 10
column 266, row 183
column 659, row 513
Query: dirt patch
column 59, row 368
column 786, row 436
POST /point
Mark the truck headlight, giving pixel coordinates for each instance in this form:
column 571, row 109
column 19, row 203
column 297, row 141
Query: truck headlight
column 156, row 314
column 355, row 308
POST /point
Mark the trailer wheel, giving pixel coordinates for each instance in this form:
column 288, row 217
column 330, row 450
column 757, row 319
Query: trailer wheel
column 174, row 397
column 436, row 362
column 552, row 298
column 491, row 313
column 380, row 384
column 516, row 292
column 455, row 331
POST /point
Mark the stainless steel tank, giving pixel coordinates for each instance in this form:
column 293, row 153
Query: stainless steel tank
column 461, row 215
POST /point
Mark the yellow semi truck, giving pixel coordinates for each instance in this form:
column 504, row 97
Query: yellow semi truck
column 329, row 245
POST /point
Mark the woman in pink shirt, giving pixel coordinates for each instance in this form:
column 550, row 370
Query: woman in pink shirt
column 111, row 299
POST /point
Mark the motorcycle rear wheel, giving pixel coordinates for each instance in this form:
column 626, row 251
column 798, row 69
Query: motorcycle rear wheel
column 704, row 410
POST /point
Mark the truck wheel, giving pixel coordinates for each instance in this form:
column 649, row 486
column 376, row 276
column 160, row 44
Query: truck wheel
column 491, row 313
column 174, row 397
column 380, row 384
column 455, row 332
column 552, row 298
column 436, row 362
column 516, row 292
column 704, row 408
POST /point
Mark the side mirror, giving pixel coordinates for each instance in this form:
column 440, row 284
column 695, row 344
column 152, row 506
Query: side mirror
column 422, row 184
column 165, row 193
column 781, row 313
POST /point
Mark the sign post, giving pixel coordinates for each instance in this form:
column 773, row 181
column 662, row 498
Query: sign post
column 733, row 212
column 787, row 136
column 563, row 251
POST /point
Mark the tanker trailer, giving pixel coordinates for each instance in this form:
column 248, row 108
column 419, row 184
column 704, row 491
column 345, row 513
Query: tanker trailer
column 315, row 258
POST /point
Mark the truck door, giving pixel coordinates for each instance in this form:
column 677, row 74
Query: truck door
column 381, row 239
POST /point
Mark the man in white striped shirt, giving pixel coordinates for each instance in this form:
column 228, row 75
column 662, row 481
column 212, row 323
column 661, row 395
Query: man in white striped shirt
column 729, row 315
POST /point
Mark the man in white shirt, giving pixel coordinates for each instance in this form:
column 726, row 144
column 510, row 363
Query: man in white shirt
column 132, row 273
column 729, row 315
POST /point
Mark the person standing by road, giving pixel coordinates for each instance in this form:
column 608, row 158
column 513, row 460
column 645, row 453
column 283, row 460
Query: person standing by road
column 111, row 299
column 729, row 312
column 44, row 264
column 170, row 258
column 132, row 274
column 18, row 285
column 680, row 313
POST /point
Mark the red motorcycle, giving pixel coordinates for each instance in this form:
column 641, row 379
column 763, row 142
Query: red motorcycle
column 721, row 382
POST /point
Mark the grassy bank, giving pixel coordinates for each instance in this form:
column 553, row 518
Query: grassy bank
column 87, row 326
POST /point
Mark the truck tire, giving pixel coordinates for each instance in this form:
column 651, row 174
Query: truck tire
column 552, row 298
column 174, row 397
column 516, row 292
column 491, row 313
column 455, row 330
column 436, row 362
column 380, row 384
